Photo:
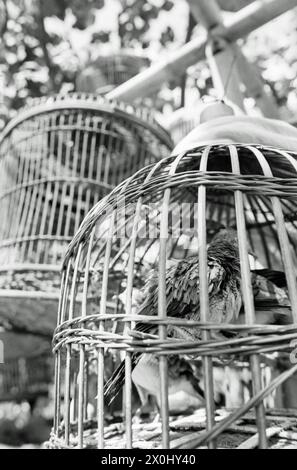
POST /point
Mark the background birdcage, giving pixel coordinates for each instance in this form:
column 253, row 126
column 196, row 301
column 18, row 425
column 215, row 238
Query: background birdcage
column 58, row 157
column 165, row 212
column 105, row 72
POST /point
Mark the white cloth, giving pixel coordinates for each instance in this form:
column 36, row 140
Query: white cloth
column 243, row 130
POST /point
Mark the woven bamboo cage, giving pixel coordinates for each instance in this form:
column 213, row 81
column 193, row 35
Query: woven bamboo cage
column 58, row 157
column 251, row 188
column 105, row 72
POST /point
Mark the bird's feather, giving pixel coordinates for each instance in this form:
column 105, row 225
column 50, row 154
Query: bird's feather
column 183, row 299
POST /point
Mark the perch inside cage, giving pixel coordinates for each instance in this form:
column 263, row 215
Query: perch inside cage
column 58, row 158
column 201, row 250
column 105, row 72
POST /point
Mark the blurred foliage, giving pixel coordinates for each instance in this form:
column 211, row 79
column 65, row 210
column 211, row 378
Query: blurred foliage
column 135, row 19
column 30, row 55
column 37, row 58
column 46, row 44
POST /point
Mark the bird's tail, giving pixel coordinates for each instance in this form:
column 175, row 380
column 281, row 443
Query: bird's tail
column 115, row 383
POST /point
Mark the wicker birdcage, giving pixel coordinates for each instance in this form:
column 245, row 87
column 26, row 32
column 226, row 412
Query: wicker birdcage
column 105, row 72
column 58, row 157
column 163, row 213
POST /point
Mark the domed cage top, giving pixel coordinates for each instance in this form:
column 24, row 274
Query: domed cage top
column 108, row 71
column 165, row 214
column 58, row 157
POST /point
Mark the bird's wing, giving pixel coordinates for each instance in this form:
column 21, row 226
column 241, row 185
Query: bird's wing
column 183, row 286
column 182, row 289
column 182, row 297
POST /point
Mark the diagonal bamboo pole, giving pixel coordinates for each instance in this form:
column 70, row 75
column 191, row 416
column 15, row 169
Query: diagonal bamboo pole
column 232, row 59
column 222, row 55
column 242, row 23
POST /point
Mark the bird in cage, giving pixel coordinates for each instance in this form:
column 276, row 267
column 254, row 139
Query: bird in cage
column 182, row 299
column 225, row 306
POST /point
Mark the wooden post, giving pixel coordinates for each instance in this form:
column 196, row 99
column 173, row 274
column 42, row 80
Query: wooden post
column 242, row 23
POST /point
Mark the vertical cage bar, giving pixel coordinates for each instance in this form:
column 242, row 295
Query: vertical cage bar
column 68, row 352
column 162, row 313
column 162, row 303
column 103, row 306
column 57, row 371
column 203, row 294
column 247, row 293
column 82, row 396
column 56, row 169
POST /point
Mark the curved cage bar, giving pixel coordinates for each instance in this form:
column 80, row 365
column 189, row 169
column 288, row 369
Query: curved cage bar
column 121, row 260
column 58, row 157
column 106, row 72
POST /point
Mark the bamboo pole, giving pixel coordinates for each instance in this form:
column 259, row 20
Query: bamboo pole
column 209, row 14
column 221, row 55
column 230, row 68
column 241, row 24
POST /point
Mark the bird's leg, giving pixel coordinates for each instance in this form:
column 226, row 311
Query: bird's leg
column 147, row 407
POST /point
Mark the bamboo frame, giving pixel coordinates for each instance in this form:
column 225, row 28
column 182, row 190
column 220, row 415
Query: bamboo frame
column 243, row 72
column 243, row 22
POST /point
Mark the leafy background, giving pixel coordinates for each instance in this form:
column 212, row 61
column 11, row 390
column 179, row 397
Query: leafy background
column 46, row 44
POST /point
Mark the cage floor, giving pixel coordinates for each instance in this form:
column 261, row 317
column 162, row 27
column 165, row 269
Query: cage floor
column 281, row 428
